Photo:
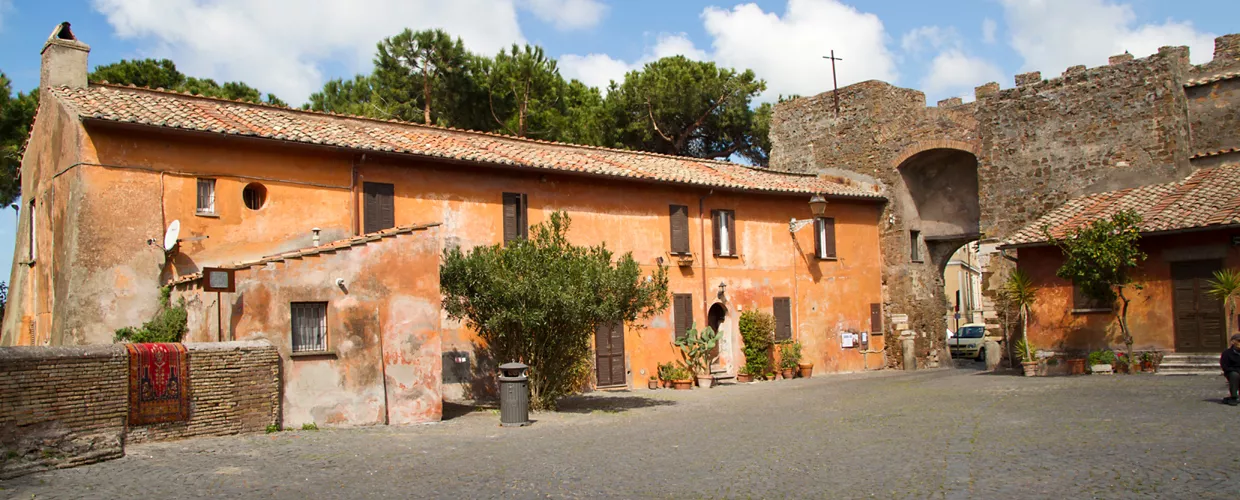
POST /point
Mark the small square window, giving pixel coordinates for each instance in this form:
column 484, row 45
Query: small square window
column 206, row 196
column 309, row 326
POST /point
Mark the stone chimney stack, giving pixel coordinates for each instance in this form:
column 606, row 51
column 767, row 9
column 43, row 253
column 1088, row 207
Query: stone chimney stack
column 64, row 60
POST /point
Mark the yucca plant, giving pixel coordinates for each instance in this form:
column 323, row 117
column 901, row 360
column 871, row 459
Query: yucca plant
column 1226, row 287
column 1020, row 292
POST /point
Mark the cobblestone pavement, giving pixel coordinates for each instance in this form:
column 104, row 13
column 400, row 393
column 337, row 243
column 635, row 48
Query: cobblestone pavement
column 930, row 434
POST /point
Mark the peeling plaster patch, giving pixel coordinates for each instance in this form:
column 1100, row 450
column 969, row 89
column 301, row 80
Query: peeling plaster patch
column 659, row 322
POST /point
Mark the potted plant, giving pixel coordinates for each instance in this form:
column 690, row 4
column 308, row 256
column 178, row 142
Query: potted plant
column 1150, row 361
column 1100, row 361
column 682, row 378
column 758, row 334
column 653, row 383
column 1121, row 363
column 1076, row 366
column 665, row 374
column 743, row 376
column 789, row 358
column 696, row 346
column 1028, row 357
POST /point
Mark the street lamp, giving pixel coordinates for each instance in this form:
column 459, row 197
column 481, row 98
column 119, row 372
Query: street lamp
column 817, row 206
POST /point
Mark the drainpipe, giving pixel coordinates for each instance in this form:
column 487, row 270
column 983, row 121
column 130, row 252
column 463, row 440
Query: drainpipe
column 702, row 236
column 355, row 206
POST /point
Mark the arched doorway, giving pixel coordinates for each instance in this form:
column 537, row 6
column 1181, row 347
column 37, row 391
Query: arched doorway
column 938, row 205
column 715, row 318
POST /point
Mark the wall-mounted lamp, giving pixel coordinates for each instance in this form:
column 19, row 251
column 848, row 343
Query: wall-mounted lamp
column 722, row 286
column 659, row 261
column 817, row 206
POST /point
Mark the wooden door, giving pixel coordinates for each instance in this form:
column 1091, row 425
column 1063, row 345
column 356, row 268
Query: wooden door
column 609, row 355
column 1198, row 315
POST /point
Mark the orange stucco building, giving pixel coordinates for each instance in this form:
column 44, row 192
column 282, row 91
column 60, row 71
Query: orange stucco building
column 1190, row 229
column 302, row 207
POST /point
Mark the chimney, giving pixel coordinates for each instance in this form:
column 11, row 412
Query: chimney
column 64, row 60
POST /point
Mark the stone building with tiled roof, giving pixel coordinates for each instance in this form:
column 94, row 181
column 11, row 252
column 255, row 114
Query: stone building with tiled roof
column 330, row 226
column 1190, row 229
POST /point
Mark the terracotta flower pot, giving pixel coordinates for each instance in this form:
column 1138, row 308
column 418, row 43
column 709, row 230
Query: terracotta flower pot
column 1147, row 366
column 787, row 373
column 1030, row 368
column 806, row 369
column 667, row 384
column 706, row 382
column 682, row 385
column 744, row 378
column 1076, row 366
column 654, row 384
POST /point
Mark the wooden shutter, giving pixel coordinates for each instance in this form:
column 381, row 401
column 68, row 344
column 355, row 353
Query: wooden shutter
column 783, row 318
column 731, row 221
column 876, row 319
column 828, row 226
column 515, row 217
column 914, row 246
column 680, row 229
column 379, row 206
column 682, row 312
column 714, row 228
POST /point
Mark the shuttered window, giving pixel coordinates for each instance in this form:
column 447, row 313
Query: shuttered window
column 682, row 313
column 379, row 211
column 680, row 229
column 824, row 237
column 724, row 232
column 876, row 319
column 516, row 221
column 914, row 252
column 206, row 196
column 783, row 319
column 34, row 234
column 309, row 326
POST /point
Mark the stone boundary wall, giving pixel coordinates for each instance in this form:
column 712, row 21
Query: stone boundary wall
column 234, row 388
column 61, row 406
column 68, row 406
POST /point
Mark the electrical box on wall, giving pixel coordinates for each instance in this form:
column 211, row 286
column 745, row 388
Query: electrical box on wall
column 848, row 340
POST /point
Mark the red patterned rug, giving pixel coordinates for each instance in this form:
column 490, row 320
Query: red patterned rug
column 158, row 383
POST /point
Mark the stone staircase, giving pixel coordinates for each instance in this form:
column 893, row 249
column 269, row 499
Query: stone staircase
column 1189, row 364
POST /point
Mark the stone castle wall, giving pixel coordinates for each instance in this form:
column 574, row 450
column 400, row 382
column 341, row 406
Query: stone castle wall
column 1032, row 147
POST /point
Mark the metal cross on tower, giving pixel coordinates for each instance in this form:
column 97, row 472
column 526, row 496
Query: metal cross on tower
column 836, row 92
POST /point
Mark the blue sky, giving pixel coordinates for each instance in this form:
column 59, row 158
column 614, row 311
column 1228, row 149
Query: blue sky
column 290, row 47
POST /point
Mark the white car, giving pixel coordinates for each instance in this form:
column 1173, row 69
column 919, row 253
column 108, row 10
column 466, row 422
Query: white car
column 968, row 342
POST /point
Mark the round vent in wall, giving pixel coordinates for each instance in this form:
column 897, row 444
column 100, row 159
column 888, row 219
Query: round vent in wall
column 255, row 195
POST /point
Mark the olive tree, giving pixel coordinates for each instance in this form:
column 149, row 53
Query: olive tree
column 538, row 301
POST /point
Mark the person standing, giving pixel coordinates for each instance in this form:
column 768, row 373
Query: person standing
column 1230, row 362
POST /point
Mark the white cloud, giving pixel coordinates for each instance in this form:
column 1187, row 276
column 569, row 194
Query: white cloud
column 1052, row 35
column 989, row 27
column 785, row 50
column 598, row 70
column 953, row 73
column 567, row 14
column 929, row 37
column 279, row 46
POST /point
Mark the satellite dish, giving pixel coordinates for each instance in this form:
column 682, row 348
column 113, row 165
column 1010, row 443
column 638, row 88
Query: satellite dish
column 170, row 237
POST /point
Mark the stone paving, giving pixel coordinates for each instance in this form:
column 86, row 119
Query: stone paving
column 930, row 434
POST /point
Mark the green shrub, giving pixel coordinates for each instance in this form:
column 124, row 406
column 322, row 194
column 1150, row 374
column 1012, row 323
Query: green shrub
column 273, row 428
column 1102, row 357
column 168, row 325
column 758, row 332
column 310, row 427
column 789, row 355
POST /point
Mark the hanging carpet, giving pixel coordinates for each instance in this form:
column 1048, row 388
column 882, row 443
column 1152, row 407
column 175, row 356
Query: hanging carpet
column 158, row 383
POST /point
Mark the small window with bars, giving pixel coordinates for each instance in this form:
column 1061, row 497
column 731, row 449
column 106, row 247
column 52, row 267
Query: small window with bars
column 206, row 196
column 309, row 326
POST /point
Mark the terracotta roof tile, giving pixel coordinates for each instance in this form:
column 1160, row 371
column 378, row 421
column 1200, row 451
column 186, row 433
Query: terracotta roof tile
column 1207, row 154
column 1212, row 78
column 182, row 111
column 1208, row 197
column 315, row 250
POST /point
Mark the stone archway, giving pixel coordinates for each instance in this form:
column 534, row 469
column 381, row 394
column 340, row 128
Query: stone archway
column 936, row 211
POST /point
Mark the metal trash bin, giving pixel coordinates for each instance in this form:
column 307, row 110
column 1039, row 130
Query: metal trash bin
column 514, row 395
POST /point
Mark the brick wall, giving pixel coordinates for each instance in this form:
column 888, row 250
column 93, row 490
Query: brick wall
column 61, row 406
column 67, row 406
column 234, row 388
